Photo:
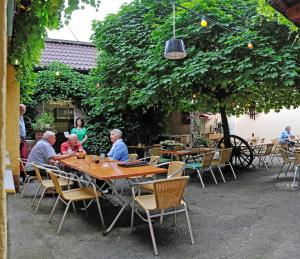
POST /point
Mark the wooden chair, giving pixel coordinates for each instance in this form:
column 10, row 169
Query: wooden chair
column 204, row 164
column 224, row 159
column 287, row 160
column 175, row 169
column 45, row 184
column 168, row 194
column 263, row 153
column 28, row 178
column 68, row 197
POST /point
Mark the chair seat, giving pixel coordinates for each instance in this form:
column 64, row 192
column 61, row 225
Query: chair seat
column 164, row 160
column 194, row 165
column 147, row 187
column 80, row 194
column 147, row 202
column 215, row 162
column 62, row 182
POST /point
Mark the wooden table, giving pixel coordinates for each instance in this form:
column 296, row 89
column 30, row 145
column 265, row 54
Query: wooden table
column 187, row 152
column 109, row 170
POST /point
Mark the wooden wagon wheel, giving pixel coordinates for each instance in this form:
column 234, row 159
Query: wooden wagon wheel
column 242, row 154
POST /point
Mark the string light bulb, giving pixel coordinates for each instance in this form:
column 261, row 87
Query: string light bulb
column 57, row 73
column 203, row 22
column 250, row 45
column 16, row 62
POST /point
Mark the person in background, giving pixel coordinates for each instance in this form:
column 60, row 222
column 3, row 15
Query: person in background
column 22, row 130
column 44, row 153
column 119, row 150
column 286, row 137
column 80, row 131
column 71, row 145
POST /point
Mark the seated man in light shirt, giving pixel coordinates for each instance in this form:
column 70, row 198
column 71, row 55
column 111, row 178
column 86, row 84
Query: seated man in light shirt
column 71, row 145
column 44, row 153
column 287, row 136
column 119, row 150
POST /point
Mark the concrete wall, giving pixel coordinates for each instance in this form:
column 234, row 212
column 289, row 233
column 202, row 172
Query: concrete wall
column 268, row 125
column 3, row 58
column 12, row 123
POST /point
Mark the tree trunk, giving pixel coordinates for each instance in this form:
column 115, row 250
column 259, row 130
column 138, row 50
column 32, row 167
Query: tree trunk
column 225, row 128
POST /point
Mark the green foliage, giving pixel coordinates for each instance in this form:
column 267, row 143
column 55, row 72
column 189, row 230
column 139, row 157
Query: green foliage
column 113, row 83
column 268, row 11
column 44, row 121
column 68, row 84
column 29, row 31
column 223, row 73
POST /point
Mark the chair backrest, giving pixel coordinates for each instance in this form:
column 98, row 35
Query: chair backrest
column 284, row 155
column 269, row 149
column 297, row 154
column 169, row 192
column 154, row 160
column 206, row 159
column 132, row 157
column 155, row 151
column 225, row 155
column 23, row 163
column 275, row 140
column 176, row 166
column 37, row 172
column 55, row 181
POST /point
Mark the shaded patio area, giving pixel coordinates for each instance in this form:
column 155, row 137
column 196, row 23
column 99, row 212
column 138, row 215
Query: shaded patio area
column 255, row 216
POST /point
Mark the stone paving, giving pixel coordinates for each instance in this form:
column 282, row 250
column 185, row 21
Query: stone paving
column 255, row 216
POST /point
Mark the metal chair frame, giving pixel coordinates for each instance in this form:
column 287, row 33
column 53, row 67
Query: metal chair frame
column 225, row 155
column 160, row 206
column 28, row 178
column 206, row 165
column 42, row 184
column 88, row 184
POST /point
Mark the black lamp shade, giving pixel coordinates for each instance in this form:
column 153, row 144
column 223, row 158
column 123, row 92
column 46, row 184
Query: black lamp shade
column 175, row 49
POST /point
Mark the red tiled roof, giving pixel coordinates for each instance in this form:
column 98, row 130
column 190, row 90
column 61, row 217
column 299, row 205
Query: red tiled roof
column 289, row 8
column 79, row 55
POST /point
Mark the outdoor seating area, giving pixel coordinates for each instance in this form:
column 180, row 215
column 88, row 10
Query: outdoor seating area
column 149, row 129
column 150, row 191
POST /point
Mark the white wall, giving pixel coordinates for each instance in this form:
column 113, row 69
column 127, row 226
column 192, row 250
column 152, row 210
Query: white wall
column 268, row 125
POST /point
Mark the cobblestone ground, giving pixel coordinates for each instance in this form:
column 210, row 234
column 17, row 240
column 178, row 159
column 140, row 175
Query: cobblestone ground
column 255, row 216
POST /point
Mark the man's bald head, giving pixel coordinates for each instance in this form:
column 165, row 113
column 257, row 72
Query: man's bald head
column 22, row 109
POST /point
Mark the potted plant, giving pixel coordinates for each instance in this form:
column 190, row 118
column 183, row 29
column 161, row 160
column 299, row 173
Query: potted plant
column 43, row 122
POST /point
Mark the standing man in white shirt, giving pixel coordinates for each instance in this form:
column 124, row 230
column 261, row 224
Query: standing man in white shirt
column 22, row 130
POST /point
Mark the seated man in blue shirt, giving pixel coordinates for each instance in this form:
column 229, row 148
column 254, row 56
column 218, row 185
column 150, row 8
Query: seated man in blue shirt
column 286, row 137
column 119, row 150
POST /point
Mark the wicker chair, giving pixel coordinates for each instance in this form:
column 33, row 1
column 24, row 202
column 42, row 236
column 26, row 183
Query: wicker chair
column 132, row 157
column 152, row 162
column 224, row 159
column 168, row 194
column 264, row 152
column 287, row 160
column 175, row 169
column 156, row 151
column 204, row 164
column 68, row 197
column 45, row 184
column 296, row 169
column 28, row 178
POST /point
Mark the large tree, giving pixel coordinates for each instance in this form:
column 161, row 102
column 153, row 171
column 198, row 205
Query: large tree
column 220, row 71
